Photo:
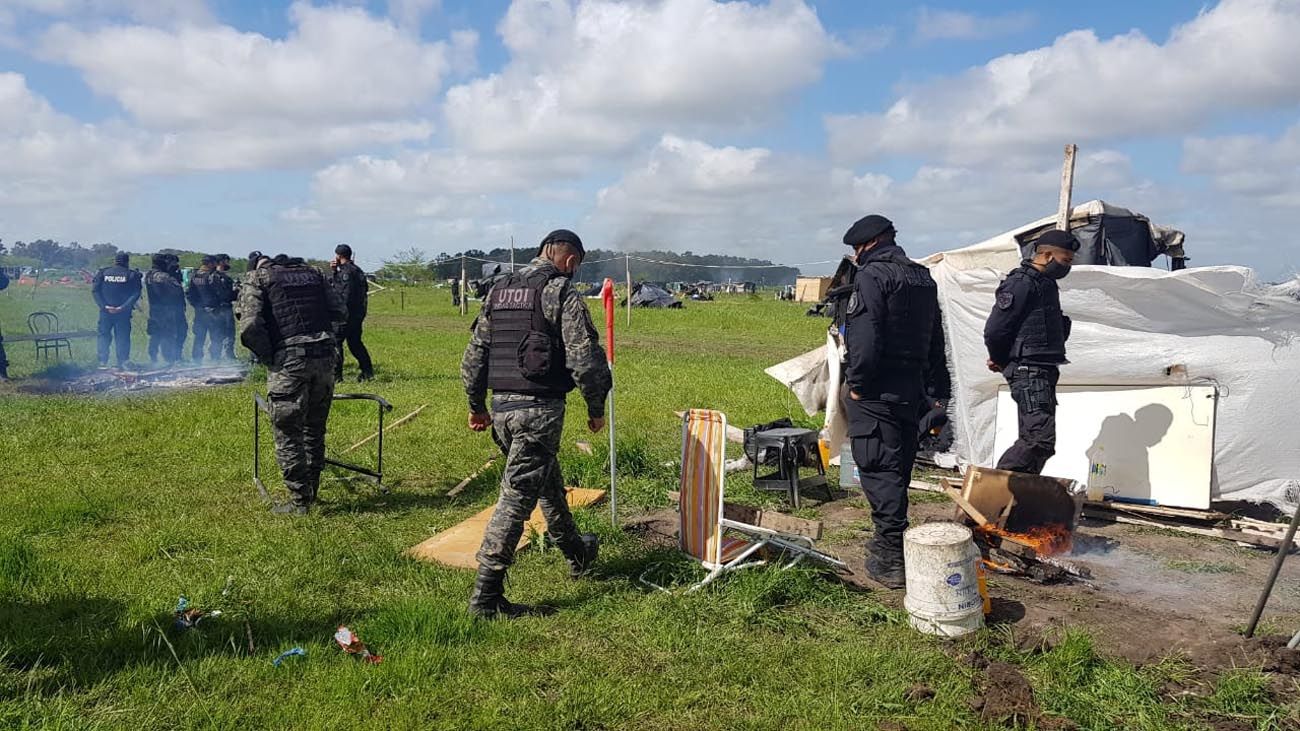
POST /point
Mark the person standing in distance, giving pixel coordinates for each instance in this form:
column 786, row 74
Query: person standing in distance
column 1025, row 336
column 116, row 289
column 201, row 299
column 4, row 360
column 289, row 317
column 166, row 310
column 532, row 343
column 894, row 338
column 223, row 316
column 350, row 283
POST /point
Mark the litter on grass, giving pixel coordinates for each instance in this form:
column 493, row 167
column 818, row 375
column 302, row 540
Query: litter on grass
column 352, row 645
column 188, row 617
column 295, row 652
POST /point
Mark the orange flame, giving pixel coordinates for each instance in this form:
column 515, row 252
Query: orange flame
column 998, row 566
column 1046, row 540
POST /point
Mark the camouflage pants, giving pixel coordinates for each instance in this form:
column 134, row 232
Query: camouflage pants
column 530, row 438
column 300, row 389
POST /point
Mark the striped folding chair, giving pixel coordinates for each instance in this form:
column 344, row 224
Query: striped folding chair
column 704, row 532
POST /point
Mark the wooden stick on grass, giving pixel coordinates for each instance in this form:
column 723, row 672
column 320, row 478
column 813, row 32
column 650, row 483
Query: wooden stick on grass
column 390, row 427
column 453, row 492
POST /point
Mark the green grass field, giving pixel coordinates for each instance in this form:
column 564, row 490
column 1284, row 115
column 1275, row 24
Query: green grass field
column 112, row 507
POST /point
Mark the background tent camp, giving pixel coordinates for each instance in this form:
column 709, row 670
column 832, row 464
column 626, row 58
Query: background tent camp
column 1211, row 328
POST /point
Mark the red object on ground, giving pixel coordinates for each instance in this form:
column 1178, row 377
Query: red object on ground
column 607, row 294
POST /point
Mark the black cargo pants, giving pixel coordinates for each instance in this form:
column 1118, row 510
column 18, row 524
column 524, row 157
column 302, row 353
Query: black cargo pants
column 885, row 437
column 1033, row 387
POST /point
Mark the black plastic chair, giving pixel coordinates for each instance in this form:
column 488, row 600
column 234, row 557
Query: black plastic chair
column 48, row 335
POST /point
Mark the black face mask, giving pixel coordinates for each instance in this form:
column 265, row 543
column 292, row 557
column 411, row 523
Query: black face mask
column 1054, row 269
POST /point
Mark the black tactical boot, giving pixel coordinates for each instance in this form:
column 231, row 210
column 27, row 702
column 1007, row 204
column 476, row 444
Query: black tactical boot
column 581, row 554
column 887, row 571
column 366, row 376
column 488, row 602
column 289, row 508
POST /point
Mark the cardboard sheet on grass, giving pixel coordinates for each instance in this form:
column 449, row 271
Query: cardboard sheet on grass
column 1133, row 327
column 457, row 545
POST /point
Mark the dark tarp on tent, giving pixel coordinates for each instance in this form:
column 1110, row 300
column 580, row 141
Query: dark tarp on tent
column 1115, row 240
column 648, row 295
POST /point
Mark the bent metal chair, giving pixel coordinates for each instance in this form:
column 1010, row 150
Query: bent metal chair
column 47, row 336
column 721, row 544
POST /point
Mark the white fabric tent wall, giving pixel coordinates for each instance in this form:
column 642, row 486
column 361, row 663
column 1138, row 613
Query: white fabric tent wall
column 1130, row 325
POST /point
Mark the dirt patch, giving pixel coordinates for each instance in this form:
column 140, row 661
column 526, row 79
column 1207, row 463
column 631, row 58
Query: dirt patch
column 1230, row 724
column 919, row 693
column 1005, row 696
column 1152, row 598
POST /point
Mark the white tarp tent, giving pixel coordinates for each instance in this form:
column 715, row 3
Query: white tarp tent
column 1145, row 326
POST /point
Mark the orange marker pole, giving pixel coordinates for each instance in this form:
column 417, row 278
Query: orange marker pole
column 607, row 295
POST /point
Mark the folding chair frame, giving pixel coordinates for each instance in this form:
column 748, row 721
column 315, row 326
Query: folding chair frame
column 800, row 546
column 376, row 475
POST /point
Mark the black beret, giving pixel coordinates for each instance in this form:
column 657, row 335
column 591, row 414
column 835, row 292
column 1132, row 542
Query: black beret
column 1058, row 239
column 564, row 236
column 209, row 260
column 160, row 261
column 221, row 258
column 343, row 250
column 866, row 229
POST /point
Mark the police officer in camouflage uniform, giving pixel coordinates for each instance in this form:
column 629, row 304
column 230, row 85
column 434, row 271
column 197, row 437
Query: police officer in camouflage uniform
column 223, row 293
column 289, row 318
column 166, row 311
column 1025, row 336
column 894, row 338
column 116, row 290
column 532, row 343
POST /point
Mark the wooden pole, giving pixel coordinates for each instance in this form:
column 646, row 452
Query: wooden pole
column 453, row 492
column 1067, row 189
column 390, row 427
column 627, row 268
column 512, row 254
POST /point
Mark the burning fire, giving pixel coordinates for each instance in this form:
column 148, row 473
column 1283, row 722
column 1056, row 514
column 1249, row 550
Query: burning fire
column 997, row 566
column 1046, row 540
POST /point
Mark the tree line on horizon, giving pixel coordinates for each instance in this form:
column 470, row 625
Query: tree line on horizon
column 414, row 265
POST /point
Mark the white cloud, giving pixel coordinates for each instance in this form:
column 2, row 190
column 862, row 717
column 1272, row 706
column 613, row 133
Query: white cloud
column 932, row 25
column 339, row 64
column 410, row 13
column 693, row 195
column 599, row 76
column 1253, row 167
column 144, row 11
column 1238, row 56
column 405, row 184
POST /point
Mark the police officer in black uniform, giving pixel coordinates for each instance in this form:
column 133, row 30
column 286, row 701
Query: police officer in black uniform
column 201, row 298
column 894, row 338
column 116, row 289
column 223, row 292
column 1025, row 336
column 4, row 361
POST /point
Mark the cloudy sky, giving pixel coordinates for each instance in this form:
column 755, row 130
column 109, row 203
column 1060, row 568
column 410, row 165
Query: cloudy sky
column 756, row 128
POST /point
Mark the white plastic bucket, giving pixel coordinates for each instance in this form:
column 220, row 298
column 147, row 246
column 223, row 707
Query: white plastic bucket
column 943, row 596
